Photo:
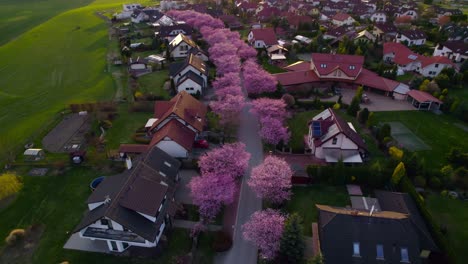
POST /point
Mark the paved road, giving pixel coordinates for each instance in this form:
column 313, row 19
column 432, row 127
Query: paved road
column 243, row 252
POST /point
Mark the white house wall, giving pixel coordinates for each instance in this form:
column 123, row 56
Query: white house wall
column 188, row 83
column 173, row 149
column 93, row 206
column 187, row 69
column 181, row 51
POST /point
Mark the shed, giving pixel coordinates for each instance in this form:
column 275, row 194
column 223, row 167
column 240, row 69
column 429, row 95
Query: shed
column 401, row 92
column 34, row 154
column 423, row 100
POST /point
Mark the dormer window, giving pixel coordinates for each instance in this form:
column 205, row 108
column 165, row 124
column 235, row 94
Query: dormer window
column 323, row 65
column 352, row 67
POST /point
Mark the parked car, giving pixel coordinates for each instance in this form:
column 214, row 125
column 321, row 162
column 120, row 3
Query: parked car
column 201, row 143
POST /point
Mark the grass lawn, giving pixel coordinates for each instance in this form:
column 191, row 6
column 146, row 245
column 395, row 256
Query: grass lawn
column 298, row 127
column 153, row 83
column 124, row 126
column 58, row 202
column 304, row 199
column 405, row 78
column 454, row 215
column 271, row 68
column 17, row 17
column 437, row 131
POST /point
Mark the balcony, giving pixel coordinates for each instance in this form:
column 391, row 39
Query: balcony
column 93, row 232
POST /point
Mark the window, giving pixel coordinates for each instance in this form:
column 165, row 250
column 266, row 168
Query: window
column 167, row 164
column 352, row 67
column 380, row 253
column 404, row 255
column 334, row 141
column 437, row 65
column 356, row 251
column 114, row 246
column 125, row 245
column 323, row 65
column 162, row 174
column 104, row 222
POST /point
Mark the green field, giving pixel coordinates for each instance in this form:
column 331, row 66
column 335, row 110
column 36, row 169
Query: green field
column 17, row 17
column 437, row 131
column 454, row 215
column 56, row 63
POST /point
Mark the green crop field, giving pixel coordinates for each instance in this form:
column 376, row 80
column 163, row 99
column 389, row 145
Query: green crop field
column 58, row 62
column 17, row 17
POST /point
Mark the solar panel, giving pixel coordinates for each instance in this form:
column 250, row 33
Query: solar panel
column 412, row 57
column 316, row 129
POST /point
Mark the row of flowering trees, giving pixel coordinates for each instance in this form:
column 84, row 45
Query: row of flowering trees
column 272, row 116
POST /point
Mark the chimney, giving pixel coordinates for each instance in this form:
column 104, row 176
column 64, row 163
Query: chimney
column 107, row 200
column 372, row 210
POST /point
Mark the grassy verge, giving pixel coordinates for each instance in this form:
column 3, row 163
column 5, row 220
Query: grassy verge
column 454, row 215
column 304, row 199
column 153, row 83
column 298, row 127
column 437, row 131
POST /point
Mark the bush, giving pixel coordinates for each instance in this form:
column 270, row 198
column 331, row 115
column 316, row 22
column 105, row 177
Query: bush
column 395, row 153
column 222, row 242
column 9, row 185
column 141, row 138
column 336, row 106
column 435, row 182
column 420, row 181
column 15, row 236
column 289, row 100
column 353, row 107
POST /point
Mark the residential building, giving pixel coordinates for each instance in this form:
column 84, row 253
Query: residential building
column 170, row 32
column 385, row 31
column 379, row 17
column 134, row 208
column 457, row 51
column 262, row 38
column 179, row 46
column 190, row 76
column 391, row 231
column 341, row 19
column 127, row 10
column 414, row 37
column 332, row 139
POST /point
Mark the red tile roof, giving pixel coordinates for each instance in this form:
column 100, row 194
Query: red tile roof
column 423, row 97
column 371, row 79
column 298, row 66
column 296, row 77
column 177, row 132
column 426, row 61
column 403, row 55
column 132, row 148
column 351, row 65
column 341, row 16
column 265, row 34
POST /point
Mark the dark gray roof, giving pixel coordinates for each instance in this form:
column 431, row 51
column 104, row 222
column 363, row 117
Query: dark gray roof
column 403, row 203
column 139, row 190
column 166, row 31
column 175, row 67
column 339, row 228
column 192, row 76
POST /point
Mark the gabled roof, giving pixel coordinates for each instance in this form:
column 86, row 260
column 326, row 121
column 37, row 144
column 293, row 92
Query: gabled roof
column 141, row 189
column 177, row 132
column 191, row 76
column 165, row 31
column 426, row 61
column 351, row 65
column 266, row 34
column 341, row 17
column 414, row 34
column 403, row 55
column 337, row 32
column 298, row 66
column 457, row 47
column 423, row 97
column 386, row 28
column 329, row 117
column 185, row 107
column 190, row 60
column 179, row 39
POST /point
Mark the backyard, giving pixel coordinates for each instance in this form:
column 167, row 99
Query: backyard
column 58, row 203
column 304, row 199
column 439, row 132
column 153, row 83
column 298, row 127
column 454, row 215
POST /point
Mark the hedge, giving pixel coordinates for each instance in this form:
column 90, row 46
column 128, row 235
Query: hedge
column 408, row 187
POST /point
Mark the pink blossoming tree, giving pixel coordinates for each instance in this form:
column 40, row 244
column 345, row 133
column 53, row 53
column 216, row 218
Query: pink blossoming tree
column 273, row 132
column 228, row 79
column 257, row 80
column 275, row 108
column 210, row 191
column 271, row 180
column 264, row 229
column 230, row 159
column 272, row 114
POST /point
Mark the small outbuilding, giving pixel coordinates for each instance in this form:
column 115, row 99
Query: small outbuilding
column 32, row 154
column 423, row 100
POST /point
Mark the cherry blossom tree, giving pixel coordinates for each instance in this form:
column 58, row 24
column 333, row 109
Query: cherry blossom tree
column 210, row 191
column 264, row 229
column 246, row 52
column 273, row 132
column 257, row 80
column 228, row 108
column 222, row 49
column 230, row 160
column 228, row 79
column 226, row 64
column 271, row 180
column 275, row 108
column 228, row 90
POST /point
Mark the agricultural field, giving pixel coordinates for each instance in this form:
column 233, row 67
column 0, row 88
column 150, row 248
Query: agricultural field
column 58, row 62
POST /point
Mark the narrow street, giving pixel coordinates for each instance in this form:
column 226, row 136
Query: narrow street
column 243, row 252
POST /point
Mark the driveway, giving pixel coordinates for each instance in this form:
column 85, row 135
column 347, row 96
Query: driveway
column 243, row 252
column 182, row 194
column 378, row 103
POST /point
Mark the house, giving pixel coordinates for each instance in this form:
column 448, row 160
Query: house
column 231, row 21
column 341, row 19
column 379, row 17
column 247, row 7
column 364, row 36
column 407, row 12
column 144, row 15
column 134, row 208
column 170, row 32
column 190, row 76
column 414, row 37
column 332, row 139
column 179, row 46
column 385, row 31
column 138, row 67
column 325, row 71
column 268, row 13
column 457, row 51
column 127, row 10
column 262, row 38
column 407, row 60
column 336, row 33
column 277, row 53
column 394, row 233
column 402, row 21
column 326, row 15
